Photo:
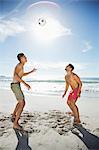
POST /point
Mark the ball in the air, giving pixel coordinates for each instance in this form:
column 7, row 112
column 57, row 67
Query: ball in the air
column 41, row 21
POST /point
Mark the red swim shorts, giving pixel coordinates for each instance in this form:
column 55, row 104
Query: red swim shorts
column 73, row 95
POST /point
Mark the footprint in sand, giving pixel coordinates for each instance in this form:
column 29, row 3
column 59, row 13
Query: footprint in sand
column 37, row 121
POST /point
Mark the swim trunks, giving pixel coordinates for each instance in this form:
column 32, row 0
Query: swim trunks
column 16, row 88
column 73, row 95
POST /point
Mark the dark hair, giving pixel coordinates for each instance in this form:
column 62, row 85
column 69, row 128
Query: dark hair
column 70, row 65
column 19, row 56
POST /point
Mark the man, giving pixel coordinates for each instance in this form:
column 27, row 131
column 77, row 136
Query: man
column 16, row 88
column 75, row 83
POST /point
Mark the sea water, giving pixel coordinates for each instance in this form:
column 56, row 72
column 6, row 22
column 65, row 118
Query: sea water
column 90, row 86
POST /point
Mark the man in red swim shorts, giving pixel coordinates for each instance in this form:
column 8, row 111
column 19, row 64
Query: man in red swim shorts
column 75, row 83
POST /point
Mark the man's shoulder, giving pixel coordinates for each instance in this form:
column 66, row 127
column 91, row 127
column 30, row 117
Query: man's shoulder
column 18, row 66
column 75, row 75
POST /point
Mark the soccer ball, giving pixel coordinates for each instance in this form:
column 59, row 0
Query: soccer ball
column 41, row 21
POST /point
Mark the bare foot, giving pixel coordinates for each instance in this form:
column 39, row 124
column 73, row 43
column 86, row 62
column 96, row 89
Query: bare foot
column 77, row 122
column 17, row 126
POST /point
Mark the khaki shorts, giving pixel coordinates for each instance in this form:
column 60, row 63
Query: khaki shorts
column 16, row 88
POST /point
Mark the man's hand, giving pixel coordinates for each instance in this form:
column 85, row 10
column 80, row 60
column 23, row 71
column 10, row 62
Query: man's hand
column 78, row 94
column 34, row 69
column 64, row 94
column 28, row 86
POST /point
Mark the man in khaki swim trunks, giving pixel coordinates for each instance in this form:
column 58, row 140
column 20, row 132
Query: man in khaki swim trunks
column 75, row 83
column 16, row 88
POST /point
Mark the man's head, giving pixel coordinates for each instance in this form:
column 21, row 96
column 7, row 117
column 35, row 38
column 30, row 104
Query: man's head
column 22, row 58
column 69, row 67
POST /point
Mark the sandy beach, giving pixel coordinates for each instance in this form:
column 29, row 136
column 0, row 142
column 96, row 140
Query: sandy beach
column 47, row 125
column 49, row 49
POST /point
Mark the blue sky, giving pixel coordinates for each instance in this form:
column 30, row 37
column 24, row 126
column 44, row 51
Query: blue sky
column 70, row 35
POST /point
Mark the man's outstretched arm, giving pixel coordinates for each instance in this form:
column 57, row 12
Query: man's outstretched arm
column 25, row 74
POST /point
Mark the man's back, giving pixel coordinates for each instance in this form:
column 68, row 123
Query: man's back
column 19, row 71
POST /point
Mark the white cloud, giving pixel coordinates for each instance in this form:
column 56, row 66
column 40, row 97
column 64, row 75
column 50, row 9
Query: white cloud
column 9, row 28
column 51, row 31
column 87, row 47
column 47, row 65
column 54, row 70
column 56, row 65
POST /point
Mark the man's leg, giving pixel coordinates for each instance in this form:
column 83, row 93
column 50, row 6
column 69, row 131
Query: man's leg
column 15, row 110
column 75, row 110
column 19, row 111
column 77, row 113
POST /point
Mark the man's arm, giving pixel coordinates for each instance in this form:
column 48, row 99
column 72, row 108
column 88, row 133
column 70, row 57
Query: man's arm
column 66, row 88
column 25, row 74
column 79, row 83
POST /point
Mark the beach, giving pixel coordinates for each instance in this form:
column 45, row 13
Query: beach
column 49, row 50
column 47, row 124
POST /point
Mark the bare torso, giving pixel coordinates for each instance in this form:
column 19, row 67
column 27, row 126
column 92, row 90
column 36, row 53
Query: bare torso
column 70, row 79
column 19, row 71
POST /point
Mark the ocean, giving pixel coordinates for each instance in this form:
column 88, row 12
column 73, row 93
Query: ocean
column 90, row 86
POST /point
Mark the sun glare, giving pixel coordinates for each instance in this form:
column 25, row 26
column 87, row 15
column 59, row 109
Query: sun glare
column 47, row 29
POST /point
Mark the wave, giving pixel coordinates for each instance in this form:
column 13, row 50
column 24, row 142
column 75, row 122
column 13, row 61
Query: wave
column 54, row 87
column 84, row 80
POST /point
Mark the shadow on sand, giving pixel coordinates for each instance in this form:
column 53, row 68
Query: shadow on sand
column 90, row 140
column 22, row 137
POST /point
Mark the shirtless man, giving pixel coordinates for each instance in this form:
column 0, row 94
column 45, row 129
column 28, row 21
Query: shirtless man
column 16, row 88
column 75, row 83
